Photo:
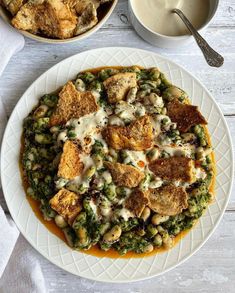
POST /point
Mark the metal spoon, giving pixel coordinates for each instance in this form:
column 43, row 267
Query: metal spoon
column 212, row 57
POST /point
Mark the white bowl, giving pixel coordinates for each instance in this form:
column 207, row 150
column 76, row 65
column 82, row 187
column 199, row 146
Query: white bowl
column 7, row 17
column 53, row 248
column 164, row 41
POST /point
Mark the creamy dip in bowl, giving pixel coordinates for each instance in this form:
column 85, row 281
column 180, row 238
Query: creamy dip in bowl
column 154, row 21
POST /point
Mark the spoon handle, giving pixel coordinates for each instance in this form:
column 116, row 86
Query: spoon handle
column 212, row 57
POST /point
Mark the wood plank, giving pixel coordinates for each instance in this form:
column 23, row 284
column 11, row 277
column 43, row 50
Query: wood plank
column 211, row 269
column 221, row 82
column 224, row 16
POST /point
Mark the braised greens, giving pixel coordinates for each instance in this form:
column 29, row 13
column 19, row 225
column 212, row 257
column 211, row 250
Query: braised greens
column 104, row 219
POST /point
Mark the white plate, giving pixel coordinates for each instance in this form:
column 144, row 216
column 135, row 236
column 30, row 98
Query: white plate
column 55, row 250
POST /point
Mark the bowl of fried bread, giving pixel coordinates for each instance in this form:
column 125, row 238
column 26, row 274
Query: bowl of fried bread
column 56, row 21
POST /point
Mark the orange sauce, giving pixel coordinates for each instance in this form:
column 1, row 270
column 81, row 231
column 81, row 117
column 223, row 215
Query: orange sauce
column 141, row 164
column 95, row 250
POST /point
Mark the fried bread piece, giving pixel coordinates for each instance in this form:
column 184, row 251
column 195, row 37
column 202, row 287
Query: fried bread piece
column 72, row 104
column 81, row 5
column 137, row 136
column 124, row 175
column 184, row 115
column 118, row 85
column 137, row 201
column 51, row 17
column 25, row 18
column 173, row 168
column 70, row 165
column 13, row 5
column 67, row 204
column 87, row 19
column 168, row 200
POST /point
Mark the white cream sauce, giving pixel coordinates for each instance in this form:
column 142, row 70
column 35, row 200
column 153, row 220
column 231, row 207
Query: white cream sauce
column 178, row 151
column 93, row 207
column 156, row 126
column 200, row 173
column 157, row 15
column 87, row 161
column 135, row 157
column 89, row 125
column 125, row 214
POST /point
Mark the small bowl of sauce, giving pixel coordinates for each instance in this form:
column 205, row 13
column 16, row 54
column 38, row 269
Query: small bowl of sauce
column 154, row 21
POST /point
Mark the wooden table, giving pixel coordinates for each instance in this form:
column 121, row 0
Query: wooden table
column 212, row 269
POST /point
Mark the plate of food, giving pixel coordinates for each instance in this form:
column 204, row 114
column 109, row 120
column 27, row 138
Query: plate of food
column 116, row 164
column 57, row 21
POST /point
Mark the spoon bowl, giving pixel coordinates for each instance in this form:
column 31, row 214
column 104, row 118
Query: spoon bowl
column 164, row 41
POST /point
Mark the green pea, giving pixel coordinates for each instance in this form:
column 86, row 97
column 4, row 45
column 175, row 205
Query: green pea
column 151, row 230
column 122, row 191
column 165, row 121
column 88, row 206
column 174, row 92
column 43, row 138
column 154, row 73
column 105, row 246
column 47, row 211
column 71, row 134
column 96, row 86
column 104, row 228
column 145, row 182
column 110, row 191
column 49, row 100
column 106, row 73
column 80, row 220
column 200, row 133
column 87, row 77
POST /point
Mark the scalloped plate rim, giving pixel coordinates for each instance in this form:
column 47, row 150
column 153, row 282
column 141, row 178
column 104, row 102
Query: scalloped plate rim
column 144, row 277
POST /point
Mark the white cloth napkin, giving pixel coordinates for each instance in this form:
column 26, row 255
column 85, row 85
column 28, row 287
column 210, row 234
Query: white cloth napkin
column 20, row 271
column 11, row 42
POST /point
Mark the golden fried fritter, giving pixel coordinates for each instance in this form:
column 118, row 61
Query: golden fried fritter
column 72, row 104
column 70, row 165
column 168, row 200
column 124, row 175
column 137, row 136
column 184, row 115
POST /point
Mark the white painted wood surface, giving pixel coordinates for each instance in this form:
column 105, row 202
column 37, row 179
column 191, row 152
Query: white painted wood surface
column 212, row 269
